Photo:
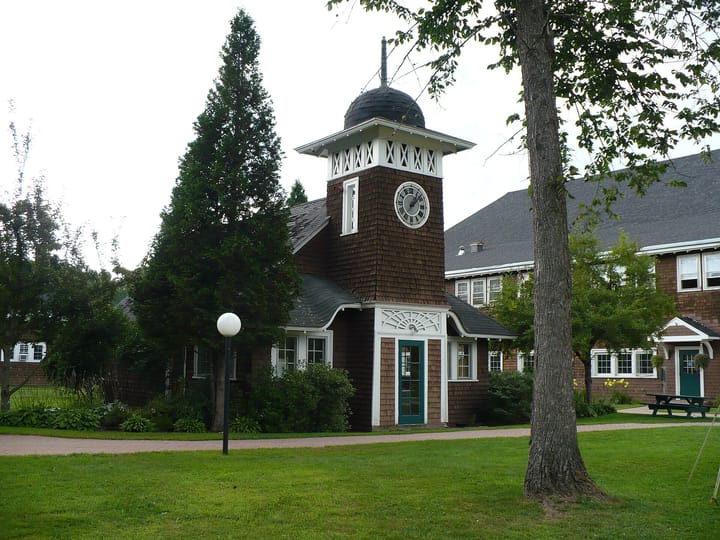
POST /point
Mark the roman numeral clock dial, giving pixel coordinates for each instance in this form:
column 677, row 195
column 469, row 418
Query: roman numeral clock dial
column 411, row 205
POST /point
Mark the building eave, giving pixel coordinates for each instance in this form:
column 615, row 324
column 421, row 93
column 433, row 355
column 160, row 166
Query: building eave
column 321, row 147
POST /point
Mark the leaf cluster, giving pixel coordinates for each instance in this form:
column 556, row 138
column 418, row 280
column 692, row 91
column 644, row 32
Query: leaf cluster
column 633, row 77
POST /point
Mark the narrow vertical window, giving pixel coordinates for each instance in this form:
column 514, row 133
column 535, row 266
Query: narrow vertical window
column 461, row 291
column 478, row 292
column 350, row 206
column 711, row 270
column 315, row 351
column 24, row 351
column 287, row 354
column 688, row 272
column 494, row 288
column 463, row 361
column 38, row 352
column 495, row 361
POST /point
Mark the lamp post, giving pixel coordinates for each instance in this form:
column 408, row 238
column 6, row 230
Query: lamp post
column 228, row 324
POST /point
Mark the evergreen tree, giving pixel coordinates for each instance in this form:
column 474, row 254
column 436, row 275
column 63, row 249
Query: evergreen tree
column 223, row 244
column 297, row 194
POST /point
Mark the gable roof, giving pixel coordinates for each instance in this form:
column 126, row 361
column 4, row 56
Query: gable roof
column 472, row 322
column 306, row 220
column 666, row 219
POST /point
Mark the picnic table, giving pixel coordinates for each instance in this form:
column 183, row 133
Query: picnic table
column 670, row 402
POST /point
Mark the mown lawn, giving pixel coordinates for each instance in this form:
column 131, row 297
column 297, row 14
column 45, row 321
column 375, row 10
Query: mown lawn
column 434, row 489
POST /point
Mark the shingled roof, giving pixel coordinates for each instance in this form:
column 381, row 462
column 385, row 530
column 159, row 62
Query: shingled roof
column 306, row 220
column 666, row 216
column 474, row 323
column 319, row 301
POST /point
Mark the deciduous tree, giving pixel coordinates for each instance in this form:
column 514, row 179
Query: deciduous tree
column 615, row 303
column 635, row 78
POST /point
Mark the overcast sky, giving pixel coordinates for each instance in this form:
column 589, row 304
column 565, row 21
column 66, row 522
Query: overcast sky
column 110, row 90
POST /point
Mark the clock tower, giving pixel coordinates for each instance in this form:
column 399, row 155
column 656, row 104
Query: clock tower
column 383, row 243
column 385, row 200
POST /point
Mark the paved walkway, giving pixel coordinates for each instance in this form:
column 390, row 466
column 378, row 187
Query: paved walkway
column 15, row 445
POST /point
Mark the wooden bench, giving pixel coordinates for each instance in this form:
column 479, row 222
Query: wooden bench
column 670, row 402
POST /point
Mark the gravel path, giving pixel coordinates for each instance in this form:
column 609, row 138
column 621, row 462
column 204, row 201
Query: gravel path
column 16, row 445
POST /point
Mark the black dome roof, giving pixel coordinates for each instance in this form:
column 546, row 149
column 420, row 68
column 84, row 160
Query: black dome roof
column 384, row 102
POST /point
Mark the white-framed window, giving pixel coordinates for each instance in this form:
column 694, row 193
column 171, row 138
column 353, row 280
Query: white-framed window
column 526, row 362
column 688, row 271
column 495, row 361
column 26, row 352
column 711, row 270
column 624, row 363
column 602, row 363
column 462, row 360
column 201, row 362
column 479, row 291
column 494, row 286
column 350, row 206
column 298, row 350
column 461, row 290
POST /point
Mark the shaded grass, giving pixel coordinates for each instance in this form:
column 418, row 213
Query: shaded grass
column 432, row 489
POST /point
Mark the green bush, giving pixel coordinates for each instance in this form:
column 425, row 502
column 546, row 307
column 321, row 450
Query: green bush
column 161, row 412
column 189, row 425
column 115, row 413
column 137, row 423
column 600, row 407
column 510, row 397
column 244, row 424
column 312, row 400
column 36, row 416
column 78, row 419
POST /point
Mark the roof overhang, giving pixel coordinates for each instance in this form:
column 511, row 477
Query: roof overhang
column 467, row 334
column 689, row 332
column 297, row 247
column 484, row 270
column 324, row 328
column 375, row 126
column 678, row 247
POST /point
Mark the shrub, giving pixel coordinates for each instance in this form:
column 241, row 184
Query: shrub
column 244, row 424
column 310, row 400
column 136, row 423
column 36, row 416
column 115, row 413
column 510, row 397
column 161, row 412
column 78, row 419
column 599, row 407
column 189, row 425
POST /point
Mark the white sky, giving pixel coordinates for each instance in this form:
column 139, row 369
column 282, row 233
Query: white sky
column 110, row 91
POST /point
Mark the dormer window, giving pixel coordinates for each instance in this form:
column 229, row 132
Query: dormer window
column 350, row 206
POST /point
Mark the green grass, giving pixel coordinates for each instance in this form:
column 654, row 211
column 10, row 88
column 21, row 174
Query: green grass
column 432, row 489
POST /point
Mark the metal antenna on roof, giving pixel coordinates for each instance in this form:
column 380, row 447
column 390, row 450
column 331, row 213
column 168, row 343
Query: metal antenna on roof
column 383, row 63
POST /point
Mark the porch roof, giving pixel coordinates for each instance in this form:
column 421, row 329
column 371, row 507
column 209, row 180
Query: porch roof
column 318, row 302
column 471, row 322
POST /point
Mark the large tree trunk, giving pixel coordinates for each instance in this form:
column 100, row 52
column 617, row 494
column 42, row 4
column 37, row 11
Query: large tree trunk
column 555, row 466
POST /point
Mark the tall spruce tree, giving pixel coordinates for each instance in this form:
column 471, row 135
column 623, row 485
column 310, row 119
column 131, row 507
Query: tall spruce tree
column 223, row 242
column 635, row 78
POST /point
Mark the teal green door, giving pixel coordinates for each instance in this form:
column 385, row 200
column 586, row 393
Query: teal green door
column 689, row 373
column 411, row 398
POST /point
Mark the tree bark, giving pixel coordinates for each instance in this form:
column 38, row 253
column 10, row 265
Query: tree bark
column 555, row 466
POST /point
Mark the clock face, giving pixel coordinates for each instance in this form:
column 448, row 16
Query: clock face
column 412, row 205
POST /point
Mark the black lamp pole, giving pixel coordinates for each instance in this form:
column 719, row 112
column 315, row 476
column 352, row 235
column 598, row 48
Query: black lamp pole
column 226, row 406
